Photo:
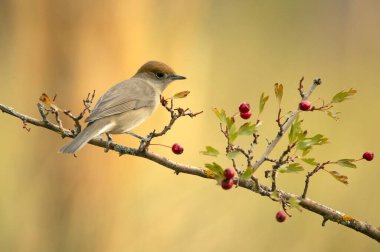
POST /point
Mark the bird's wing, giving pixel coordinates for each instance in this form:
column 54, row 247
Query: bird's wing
column 127, row 95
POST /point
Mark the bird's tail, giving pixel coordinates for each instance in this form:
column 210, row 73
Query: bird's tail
column 91, row 131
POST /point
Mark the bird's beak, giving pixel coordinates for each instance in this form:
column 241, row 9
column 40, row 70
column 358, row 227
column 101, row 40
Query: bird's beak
column 177, row 77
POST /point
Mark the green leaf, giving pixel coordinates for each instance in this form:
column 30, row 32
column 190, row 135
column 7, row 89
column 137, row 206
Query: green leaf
column 343, row 95
column 247, row 173
column 339, row 177
column 306, row 151
column 291, row 168
column 307, row 142
column 231, row 127
column 215, row 168
column 210, row 151
column 346, row 163
column 294, row 202
column 233, row 136
column 333, row 115
column 310, row 161
column 247, row 129
column 233, row 154
column 182, row 94
column 295, row 130
column 279, row 91
column 230, row 121
column 220, row 114
column 263, row 100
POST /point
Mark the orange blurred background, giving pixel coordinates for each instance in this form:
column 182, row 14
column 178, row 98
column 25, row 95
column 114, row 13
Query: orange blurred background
column 231, row 51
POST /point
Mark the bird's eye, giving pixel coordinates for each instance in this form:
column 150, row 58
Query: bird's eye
column 160, row 75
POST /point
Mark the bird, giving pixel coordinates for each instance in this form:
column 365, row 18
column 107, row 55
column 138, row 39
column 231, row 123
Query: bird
column 125, row 105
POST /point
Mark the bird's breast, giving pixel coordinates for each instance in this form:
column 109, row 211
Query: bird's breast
column 127, row 121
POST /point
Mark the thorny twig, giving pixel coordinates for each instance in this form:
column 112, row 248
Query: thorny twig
column 311, row 173
column 87, row 104
column 281, row 161
column 175, row 114
column 300, row 88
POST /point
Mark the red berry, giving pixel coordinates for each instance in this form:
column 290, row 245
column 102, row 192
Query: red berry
column 244, row 107
column 305, row 105
column 227, row 183
column 229, row 173
column 368, row 155
column 177, row 149
column 281, row 216
column 245, row 116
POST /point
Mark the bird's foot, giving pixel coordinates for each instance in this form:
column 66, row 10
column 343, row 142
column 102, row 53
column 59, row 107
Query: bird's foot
column 108, row 143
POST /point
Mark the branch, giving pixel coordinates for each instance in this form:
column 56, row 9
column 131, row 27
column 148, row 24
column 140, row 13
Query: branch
column 253, row 185
column 285, row 126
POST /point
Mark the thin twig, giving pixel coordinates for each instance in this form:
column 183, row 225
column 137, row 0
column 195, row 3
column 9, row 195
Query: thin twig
column 311, row 173
column 175, row 114
column 300, row 88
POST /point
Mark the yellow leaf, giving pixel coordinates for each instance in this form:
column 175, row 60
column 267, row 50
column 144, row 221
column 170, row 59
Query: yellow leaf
column 48, row 102
column 279, row 91
column 182, row 94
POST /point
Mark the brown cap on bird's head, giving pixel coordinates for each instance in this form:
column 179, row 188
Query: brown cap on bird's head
column 159, row 71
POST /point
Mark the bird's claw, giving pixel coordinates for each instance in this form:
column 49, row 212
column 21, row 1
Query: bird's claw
column 108, row 143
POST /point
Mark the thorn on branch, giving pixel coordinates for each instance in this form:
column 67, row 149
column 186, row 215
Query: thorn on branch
column 325, row 219
column 284, row 205
column 235, row 167
column 280, row 125
column 25, row 125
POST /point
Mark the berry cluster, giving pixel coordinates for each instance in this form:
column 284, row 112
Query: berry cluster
column 245, row 111
column 228, row 180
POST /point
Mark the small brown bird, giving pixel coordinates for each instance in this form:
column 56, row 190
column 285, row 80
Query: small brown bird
column 126, row 105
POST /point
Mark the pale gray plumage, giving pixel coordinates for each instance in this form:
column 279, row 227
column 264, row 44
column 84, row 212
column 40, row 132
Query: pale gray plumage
column 125, row 96
column 125, row 105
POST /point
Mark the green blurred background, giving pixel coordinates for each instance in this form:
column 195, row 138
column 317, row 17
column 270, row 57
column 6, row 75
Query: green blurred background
column 231, row 51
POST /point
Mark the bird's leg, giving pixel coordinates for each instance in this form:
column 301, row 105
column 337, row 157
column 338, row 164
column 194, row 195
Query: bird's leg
column 108, row 143
column 144, row 139
column 101, row 136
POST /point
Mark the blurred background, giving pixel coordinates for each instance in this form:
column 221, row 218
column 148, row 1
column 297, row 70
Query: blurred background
column 231, row 51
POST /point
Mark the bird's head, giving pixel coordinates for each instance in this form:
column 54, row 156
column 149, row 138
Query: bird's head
column 158, row 73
